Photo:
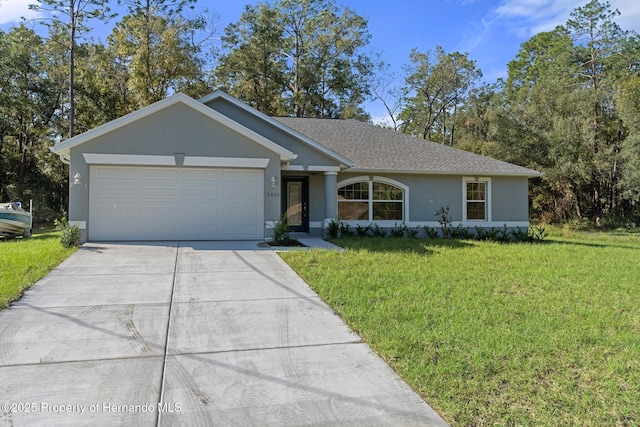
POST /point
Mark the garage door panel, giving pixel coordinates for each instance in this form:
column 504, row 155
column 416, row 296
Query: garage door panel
column 192, row 232
column 207, row 175
column 204, row 194
column 233, row 232
column 241, row 215
column 122, row 174
column 159, row 193
column 154, row 230
column 157, row 174
column 115, row 191
column 240, row 193
column 146, row 203
column 150, row 213
column 210, row 216
column 112, row 208
column 237, row 175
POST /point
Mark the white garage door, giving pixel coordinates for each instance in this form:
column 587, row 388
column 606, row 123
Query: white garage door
column 154, row 203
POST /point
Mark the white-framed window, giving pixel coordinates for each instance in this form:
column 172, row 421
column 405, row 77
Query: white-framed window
column 372, row 199
column 476, row 199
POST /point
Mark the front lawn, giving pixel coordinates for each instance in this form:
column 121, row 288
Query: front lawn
column 496, row 334
column 25, row 261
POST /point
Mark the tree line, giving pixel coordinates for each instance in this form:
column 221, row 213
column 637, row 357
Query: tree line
column 568, row 106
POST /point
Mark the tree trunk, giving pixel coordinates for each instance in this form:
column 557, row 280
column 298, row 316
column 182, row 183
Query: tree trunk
column 72, row 44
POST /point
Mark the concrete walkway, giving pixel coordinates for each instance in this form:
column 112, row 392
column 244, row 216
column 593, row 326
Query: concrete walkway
column 189, row 333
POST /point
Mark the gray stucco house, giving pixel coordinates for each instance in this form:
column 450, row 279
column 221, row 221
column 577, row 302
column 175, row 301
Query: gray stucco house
column 217, row 169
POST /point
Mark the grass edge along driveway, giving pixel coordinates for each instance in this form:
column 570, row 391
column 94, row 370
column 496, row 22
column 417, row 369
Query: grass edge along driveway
column 496, row 334
column 25, row 261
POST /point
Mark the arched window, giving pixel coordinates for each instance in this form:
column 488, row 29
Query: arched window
column 377, row 199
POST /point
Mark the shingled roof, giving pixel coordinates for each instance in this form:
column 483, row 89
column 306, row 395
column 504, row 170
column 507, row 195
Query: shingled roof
column 372, row 148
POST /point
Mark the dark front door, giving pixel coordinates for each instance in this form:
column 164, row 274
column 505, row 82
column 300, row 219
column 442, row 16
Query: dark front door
column 295, row 202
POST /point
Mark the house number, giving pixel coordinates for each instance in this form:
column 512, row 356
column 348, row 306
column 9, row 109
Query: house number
column 273, row 194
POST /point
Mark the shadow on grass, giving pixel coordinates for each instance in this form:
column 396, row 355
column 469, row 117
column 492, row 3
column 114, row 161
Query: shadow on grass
column 597, row 244
column 398, row 244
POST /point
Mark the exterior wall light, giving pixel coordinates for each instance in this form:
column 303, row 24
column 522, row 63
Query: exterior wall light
column 274, row 182
column 77, row 179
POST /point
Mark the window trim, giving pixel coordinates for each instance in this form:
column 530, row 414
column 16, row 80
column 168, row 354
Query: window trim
column 487, row 181
column 370, row 179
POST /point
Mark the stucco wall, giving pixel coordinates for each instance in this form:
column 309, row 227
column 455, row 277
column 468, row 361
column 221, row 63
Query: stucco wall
column 176, row 129
column 428, row 193
column 306, row 155
column 510, row 199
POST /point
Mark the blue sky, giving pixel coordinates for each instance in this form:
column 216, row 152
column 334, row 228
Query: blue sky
column 491, row 31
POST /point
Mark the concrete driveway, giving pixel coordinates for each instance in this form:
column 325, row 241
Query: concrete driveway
column 189, row 333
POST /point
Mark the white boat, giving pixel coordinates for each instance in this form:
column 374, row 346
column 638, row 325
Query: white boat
column 14, row 220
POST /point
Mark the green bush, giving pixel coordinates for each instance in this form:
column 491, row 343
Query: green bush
column 70, row 234
column 333, row 229
column 445, row 221
column 281, row 232
column 363, row 231
column 344, row 230
column 461, row 233
column 410, row 232
column 378, row 231
column 431, row 233
column 520, row 235
column 397, row 231
column 538, row 233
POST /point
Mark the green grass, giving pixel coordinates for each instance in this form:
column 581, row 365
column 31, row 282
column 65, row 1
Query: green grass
column 496, row 334
column 25, row 261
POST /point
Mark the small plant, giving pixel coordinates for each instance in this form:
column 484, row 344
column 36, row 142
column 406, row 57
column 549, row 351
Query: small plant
column 281, row 232
column 344, row 229
column 484, row 234
column 520, row 235
column 70, row 234
column 363, row 231
column 431, row 232
column 461, row 233
column 397, row 231
column 445, row 221
column 503, row 235
column 378, row 231
column 333, row 228
column 410, row 232
column 538, row 234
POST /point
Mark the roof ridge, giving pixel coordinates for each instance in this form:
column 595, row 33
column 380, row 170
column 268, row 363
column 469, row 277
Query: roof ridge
column 379, row 148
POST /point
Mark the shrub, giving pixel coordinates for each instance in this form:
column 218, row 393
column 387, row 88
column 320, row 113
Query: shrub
column 333, row 229
column 378, row 231
column 281, row 232
column 461, row 233
column 430, row 232
column 344, row 229
column 445, row 220
column 503, row 235
column 410, row 232
column 397, row 231
column 520, row 235
column 70, row 234
column 538, row 233
column 484, row 234
column 363, row 231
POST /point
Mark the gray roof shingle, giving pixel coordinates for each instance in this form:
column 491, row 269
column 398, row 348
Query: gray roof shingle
column 377, row 149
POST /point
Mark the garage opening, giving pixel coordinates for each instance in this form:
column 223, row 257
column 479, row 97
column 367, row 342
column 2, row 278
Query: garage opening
column 156, row 203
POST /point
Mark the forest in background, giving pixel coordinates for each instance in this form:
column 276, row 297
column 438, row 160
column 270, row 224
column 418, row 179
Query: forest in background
column 569, row 106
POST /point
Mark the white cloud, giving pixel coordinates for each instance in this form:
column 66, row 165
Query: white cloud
column 629, row 18
column 13, row 10
column 480, row 33
column 526, row 18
